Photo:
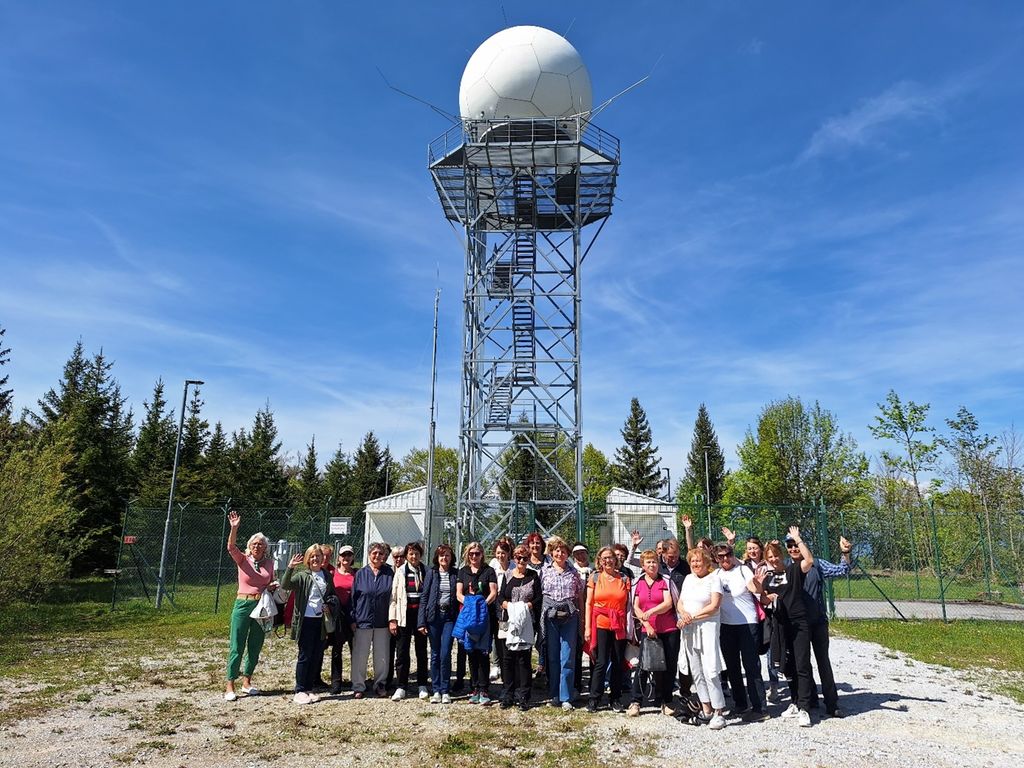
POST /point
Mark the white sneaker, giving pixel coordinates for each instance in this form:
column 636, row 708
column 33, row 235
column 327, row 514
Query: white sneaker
column 567, row 706
column 495, row 674
column 399, row 694
column 717, row 723
column 253, row 691
column 803, row 719
column 791, row 711
column 446, row 699
column 302, row 698
column 436, row 698
column 424, row 693
column 230, row 696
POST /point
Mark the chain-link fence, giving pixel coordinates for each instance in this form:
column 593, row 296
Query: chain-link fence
column 910, row 563
column 200, row 575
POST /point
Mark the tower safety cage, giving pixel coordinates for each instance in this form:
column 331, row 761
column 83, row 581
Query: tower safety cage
column 531, row 197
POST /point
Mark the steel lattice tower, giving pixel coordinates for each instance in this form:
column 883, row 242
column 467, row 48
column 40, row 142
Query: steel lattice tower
column 532, row 197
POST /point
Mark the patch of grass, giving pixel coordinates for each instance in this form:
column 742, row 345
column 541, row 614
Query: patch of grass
column 455, row 744
column 959, row 644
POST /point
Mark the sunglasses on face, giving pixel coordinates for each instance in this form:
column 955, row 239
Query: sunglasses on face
column 792, row 546
column 476, row 554
column 723, row 555
column 519, row 558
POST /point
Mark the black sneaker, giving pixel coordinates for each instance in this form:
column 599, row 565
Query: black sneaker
column 618, row 706
column 835, row 713
column 505, row 705
column 522, row 707
column 591, row 706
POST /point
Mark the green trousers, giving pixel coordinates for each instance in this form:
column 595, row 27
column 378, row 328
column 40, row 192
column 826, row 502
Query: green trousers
column 246, row 635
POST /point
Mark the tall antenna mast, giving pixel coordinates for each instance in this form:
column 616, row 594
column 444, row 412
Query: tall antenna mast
column 428, row 523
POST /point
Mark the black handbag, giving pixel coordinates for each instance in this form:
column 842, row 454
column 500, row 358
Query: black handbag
column 652, row 655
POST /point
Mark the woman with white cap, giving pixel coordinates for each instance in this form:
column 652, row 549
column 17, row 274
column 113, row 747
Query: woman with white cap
column 343, row 576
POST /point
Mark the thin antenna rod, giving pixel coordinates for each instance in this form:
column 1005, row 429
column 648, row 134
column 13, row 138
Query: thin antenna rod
column 443, row 113
column 503, row 14
column 427, row 524
column 599, row 109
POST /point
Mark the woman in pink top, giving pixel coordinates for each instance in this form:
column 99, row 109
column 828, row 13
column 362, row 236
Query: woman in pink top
column 255, row 574
column 343, row 576
column 654, row 612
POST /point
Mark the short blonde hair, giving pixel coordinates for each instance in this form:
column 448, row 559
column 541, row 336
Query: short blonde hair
column 314, row 549
column 557, row 542
column 648, row 554
column 702, row 553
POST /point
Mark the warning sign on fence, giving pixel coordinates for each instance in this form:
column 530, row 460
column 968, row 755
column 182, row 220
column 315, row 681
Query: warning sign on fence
column 339, row 526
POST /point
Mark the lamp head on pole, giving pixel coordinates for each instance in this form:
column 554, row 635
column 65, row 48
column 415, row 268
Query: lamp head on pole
column 194, row 381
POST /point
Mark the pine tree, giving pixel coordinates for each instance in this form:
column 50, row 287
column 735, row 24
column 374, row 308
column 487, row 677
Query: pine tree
column 88, row 413
column 695, row 479
column 257, row 460
column 153, row 457
column 337, row 481
column 369, row 470
column 310, row 484
column 636, row 461
column 195, row 436
column 216, row 477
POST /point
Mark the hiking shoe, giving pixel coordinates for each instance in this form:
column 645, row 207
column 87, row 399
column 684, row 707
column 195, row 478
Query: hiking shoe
column 803, row 718
column 717, row 722
column 446, row 699
column 436, row 698
column 634, row 710
column 230, row 696
column 791, row 711
column 567, row 706
column 424, row 693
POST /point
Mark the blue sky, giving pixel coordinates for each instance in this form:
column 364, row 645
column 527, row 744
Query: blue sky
column 820, row 199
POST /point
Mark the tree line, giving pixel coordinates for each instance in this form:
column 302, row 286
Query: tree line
column 69, row 466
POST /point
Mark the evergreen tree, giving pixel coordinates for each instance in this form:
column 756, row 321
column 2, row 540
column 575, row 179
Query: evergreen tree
column 310, row 491
column 216, row 478
column 194, row 438
column 636, row 461
column 153, row 457
column 257, row 462
column 369, row 470
column 337, row 482
column 87, row 412
column 696, row 479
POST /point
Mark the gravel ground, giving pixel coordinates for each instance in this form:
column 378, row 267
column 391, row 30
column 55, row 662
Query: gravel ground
column 899, row 712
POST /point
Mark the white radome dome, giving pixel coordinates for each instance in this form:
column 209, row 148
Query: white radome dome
column 524, row 72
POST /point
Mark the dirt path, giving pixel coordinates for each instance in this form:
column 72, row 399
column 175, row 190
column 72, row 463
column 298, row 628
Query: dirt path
column 167, row 710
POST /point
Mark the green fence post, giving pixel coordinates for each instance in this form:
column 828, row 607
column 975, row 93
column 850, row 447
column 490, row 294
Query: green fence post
column 220, row 556
column 986, row 558
column 938, row 559
column 822, row 546
column 120, row 547
column 913, row 552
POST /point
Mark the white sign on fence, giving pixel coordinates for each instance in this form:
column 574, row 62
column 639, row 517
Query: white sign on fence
column 339, row 526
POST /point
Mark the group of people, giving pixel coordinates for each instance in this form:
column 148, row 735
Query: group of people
column 654, row 625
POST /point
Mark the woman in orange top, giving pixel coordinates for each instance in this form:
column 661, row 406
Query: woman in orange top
column 605, row 630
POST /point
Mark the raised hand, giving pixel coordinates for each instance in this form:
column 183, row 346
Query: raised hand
column 687, row 522
column 794, row 533
column 845, row 545
column 296, row 561
column 729, row 535
column 636, row 538
column 234, row 519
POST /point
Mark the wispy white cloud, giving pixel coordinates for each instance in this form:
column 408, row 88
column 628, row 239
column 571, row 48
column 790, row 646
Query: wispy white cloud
column 865, row 124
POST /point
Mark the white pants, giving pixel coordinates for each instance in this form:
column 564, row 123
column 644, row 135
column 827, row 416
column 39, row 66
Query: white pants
column 704, row 660
column 381, row 640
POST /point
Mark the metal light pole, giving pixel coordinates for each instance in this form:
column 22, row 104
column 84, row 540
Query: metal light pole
column 707, row 487
column 668, row 483
column 160, row 579
column 429, row 521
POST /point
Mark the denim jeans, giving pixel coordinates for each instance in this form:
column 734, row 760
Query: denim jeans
column 440, row 632
column 561, row 638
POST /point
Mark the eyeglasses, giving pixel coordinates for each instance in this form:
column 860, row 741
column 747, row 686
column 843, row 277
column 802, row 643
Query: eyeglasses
column 608, row 559
column 792, row 545
column 519, row 558
column 476, row 554
column 721, row 555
